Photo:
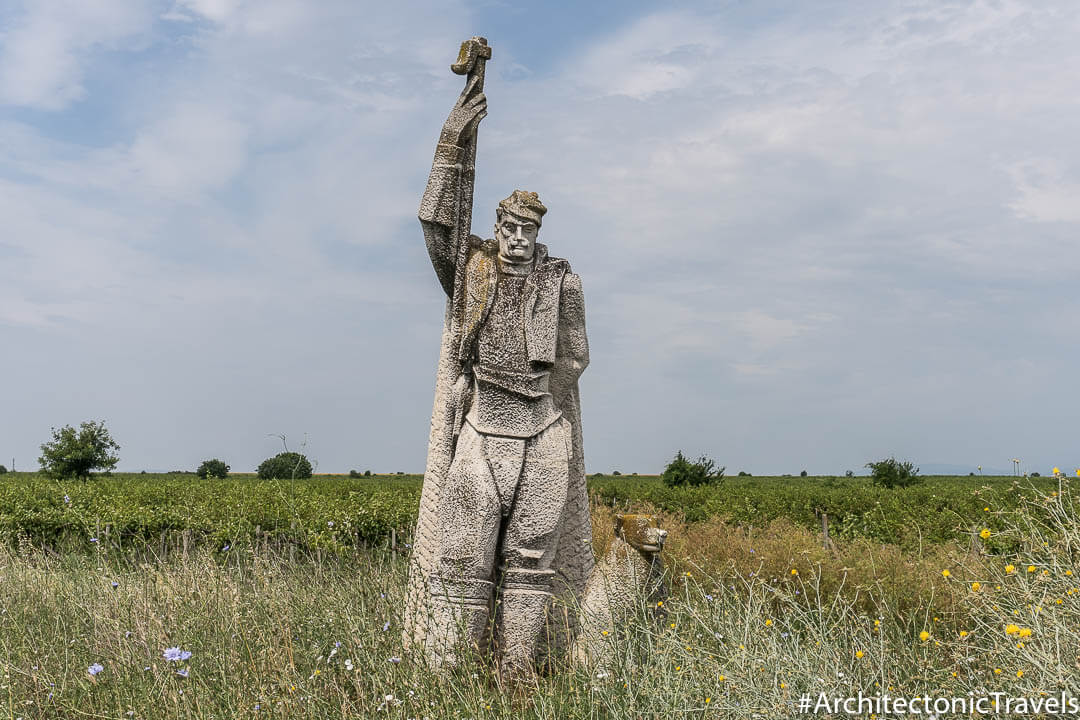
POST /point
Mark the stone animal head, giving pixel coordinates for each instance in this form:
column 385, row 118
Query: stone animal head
column 641, row 532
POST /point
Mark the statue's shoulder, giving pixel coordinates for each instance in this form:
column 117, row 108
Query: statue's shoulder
column 488, row 246
column 551, row 264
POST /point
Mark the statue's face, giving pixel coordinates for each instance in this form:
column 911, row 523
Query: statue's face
column 517, row 237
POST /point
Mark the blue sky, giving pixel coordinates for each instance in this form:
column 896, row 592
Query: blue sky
column 809, row 236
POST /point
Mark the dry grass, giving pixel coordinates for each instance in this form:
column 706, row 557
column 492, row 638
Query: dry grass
column 744, row 636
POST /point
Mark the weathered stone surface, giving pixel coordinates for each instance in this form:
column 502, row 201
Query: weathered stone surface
column 629, row 576
column 504, row 512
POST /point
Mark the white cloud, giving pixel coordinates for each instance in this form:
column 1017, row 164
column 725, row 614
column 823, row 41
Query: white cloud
column 841, row 208
column 194, row 149
column 1046, row 194
column 48, row 43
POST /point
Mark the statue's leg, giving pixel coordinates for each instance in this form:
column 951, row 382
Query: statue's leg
column 469, row 521
column 529, row 546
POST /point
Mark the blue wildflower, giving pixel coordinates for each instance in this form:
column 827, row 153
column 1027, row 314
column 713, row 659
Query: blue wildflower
column 182, row 672
column 386, row 626
column 395, row 660
column 95, row 669
column 175, row 654
column 67, row 500
column 93, row 539
column 115, row 584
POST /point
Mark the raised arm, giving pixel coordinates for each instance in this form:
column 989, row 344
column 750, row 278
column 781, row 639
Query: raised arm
column 439, row 208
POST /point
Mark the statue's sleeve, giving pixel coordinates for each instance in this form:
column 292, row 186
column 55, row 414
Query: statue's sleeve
column 572, row 345
column 438, row 212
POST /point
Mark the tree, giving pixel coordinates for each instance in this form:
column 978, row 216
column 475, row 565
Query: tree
column 2, row 469
column 213, row 469
column 681, row 471
column 892, row 473
column 285, row 466
column 73, row 454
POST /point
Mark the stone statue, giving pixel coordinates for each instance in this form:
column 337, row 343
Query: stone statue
column 504, row 518
column 629, row 575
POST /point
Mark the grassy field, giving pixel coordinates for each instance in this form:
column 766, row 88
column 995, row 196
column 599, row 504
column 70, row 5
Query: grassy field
column 334, row 514
column 758, row 617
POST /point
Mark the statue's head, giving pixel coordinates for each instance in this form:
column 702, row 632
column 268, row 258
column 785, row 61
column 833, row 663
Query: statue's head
column 517, row 223
column 641, row 532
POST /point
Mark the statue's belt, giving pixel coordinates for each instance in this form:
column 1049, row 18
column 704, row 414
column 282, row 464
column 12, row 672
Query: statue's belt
column 511, row 404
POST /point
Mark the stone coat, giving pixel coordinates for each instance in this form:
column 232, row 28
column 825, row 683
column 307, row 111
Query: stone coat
column 555, row 333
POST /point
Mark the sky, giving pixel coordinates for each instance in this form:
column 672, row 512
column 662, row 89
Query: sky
column 810, row 235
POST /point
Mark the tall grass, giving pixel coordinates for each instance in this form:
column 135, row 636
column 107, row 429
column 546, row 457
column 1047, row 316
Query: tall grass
column 309, row 638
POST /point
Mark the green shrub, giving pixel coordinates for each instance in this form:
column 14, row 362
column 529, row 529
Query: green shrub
column 213, row 469
column 893, row 473
column 285, row 466
column 681, row 471
column 73, row 454
column 2, row 469
column 802, row 474
column 367, row 473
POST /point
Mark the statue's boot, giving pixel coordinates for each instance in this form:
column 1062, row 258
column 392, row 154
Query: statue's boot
column 460, row 614
column 521, row 620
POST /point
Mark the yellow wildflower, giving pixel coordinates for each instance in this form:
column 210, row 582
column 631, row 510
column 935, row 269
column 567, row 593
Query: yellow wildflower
column 1019, row 673
column 963, row 633
column 924, row 636
column 1010, row 569
column 984, row 533
column 794, row 571
column 1011, row 629
column 945, row 573
column 975, row 586
column 768, row 622
column 1031, row 568
column 859, row 654
column 1024, row 632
